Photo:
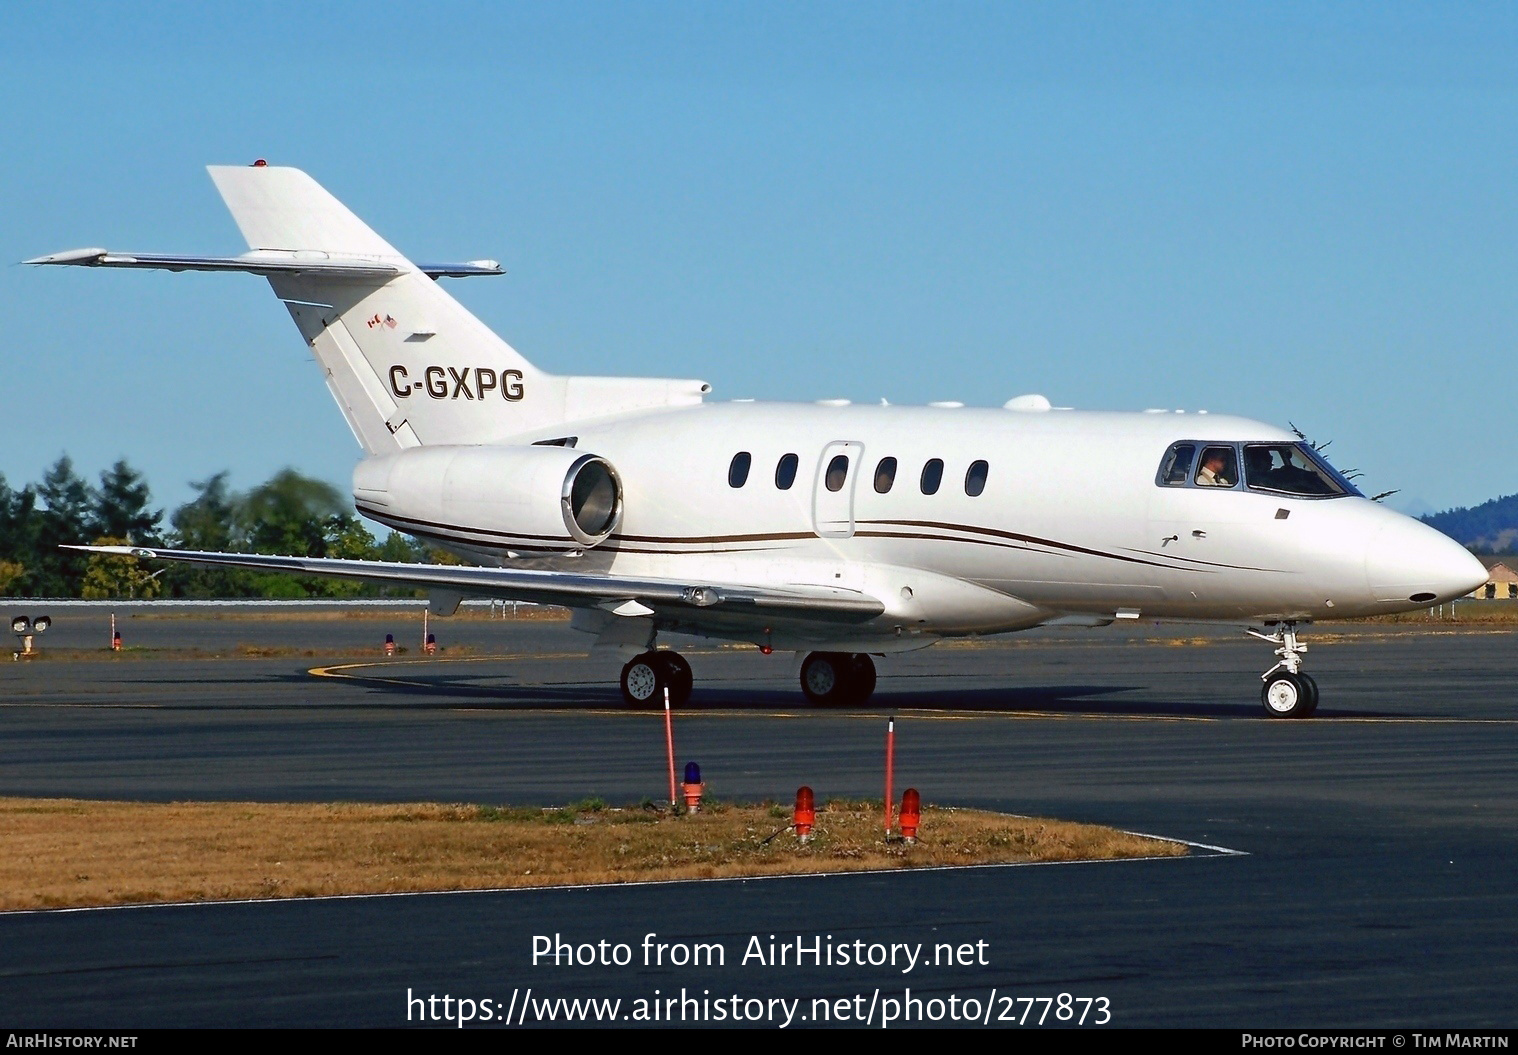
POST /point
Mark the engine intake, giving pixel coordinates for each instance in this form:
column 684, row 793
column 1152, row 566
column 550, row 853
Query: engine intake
column 494, row 497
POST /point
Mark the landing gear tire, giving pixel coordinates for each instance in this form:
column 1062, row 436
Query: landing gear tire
column 837, row 679
column 677, row 675
column 862, row 676
column 643, row 681
column 1312, row 695
column 1289, row 695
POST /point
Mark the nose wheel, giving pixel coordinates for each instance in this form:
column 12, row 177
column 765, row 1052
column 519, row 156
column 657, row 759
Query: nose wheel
column 645, row 678
column 1287, row 692
column 838, row 679
column 1289, row 695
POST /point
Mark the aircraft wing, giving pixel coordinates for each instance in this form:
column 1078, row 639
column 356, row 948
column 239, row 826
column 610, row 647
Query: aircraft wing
column 623, row 595
column 266, row 262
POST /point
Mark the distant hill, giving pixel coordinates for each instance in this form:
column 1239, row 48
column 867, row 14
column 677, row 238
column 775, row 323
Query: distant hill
column 1491, row 527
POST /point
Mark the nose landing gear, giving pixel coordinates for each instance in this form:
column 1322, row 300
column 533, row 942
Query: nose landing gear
column 1287, row 692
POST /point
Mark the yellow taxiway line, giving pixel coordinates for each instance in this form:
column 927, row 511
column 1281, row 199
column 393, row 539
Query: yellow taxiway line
column 343, row 671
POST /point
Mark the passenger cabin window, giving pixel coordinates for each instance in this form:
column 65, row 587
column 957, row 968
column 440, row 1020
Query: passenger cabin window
column 885, row 475
column 785, row 472
column 1175, row 470
column 1288, row 469
column 1219, row 467
column 975, row 479
column 838, row 473
column 737, row 473
column 932, row 476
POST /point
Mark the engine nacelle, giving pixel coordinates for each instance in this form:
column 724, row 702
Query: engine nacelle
column 453, row 493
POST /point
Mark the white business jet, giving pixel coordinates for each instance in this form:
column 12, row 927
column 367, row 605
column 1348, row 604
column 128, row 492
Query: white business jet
column 830, row 530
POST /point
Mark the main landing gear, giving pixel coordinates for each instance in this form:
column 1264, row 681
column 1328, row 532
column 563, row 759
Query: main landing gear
column 1287, row 692
column 645, row 678
column 838, row 679
column 829, row 679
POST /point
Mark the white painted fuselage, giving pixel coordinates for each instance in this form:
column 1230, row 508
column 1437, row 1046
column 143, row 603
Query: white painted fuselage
column 1071, row 522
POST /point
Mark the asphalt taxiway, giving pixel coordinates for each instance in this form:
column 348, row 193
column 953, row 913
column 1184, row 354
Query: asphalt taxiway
column 1376, row 884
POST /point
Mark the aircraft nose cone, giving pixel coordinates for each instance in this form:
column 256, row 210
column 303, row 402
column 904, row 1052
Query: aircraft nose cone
column 1409, row 561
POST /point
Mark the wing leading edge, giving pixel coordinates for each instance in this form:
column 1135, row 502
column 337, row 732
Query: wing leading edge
column 267, row 262
column 662, row 596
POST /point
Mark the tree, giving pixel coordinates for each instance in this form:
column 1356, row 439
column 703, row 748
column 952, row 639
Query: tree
column 107, row 575
column 288, row 515
column 18, row 537
column 66, row 520
column 121, row 505
column 206, row 522
column 401, row 549
column 11, row 574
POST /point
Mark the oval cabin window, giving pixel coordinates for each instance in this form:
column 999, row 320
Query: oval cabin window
column 932, row 476
column 975, row 479
column 885, row 475
column 785, row 472
column 737, row 473
column 838, row 473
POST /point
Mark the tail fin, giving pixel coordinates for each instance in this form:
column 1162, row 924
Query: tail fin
column 283, row 208
column 407, row 364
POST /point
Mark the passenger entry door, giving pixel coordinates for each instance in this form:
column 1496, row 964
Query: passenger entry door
column 833, row 489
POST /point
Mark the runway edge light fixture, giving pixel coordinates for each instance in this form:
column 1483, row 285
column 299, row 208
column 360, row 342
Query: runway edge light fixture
column 911, row 814
column 692, row 787
column 805, row 814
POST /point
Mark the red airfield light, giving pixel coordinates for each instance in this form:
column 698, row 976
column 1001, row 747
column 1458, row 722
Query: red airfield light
column 806, row 813
column 911, row 814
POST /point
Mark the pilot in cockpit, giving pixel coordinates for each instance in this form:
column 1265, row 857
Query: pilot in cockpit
column 1217, row 468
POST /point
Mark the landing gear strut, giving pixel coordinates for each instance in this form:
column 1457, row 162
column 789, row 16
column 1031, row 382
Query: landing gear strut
column 838, row 679
column 645, row 678
column 1287, row 692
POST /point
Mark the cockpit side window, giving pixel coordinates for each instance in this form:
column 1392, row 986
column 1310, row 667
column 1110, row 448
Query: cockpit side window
column 1289, row 469
column 1175, row 470
column 1218, row 467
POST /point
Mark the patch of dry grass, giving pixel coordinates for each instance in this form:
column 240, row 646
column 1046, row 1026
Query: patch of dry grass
column 65, row 852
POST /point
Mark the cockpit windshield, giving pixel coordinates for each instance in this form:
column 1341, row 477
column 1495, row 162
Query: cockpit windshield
column 1292, row 469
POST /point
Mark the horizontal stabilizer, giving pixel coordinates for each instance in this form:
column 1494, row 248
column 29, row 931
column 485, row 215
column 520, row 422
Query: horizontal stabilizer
column 570, row 589
column 384, row 333
column 267, row 262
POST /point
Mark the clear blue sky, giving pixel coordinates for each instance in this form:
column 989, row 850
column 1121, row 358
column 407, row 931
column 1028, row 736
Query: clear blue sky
column 1291, row 212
